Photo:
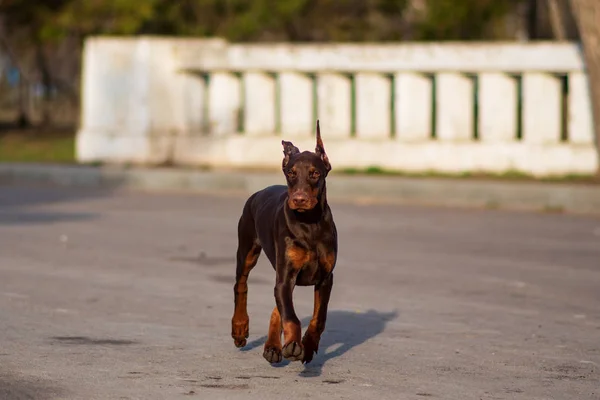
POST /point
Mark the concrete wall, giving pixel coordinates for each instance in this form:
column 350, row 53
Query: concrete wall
column 450, row 107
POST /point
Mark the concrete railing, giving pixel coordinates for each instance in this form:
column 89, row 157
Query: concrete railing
column 451, row 107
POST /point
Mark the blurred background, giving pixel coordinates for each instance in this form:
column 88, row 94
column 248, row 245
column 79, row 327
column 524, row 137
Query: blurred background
column 41, row 42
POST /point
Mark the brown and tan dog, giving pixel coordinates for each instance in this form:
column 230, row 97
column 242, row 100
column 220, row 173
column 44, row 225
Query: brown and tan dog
column 294, row 227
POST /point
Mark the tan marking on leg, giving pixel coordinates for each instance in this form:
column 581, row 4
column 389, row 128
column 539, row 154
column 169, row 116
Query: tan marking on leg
column 292, row 349
column 240, row 320
column 274, row 337
column 251, row 259
column 291, row 332
column 314, row 322
column 312, row 336
column 272, row 349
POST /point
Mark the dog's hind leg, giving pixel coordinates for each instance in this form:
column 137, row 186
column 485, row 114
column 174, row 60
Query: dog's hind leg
column 247, row 256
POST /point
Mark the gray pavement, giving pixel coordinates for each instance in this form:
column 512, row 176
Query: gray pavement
column 112, row 294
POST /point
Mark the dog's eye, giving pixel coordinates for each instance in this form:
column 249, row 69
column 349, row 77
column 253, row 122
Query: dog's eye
column 291, row 174
column 314, row 175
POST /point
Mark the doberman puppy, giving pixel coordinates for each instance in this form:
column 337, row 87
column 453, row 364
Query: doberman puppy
column 294, row 227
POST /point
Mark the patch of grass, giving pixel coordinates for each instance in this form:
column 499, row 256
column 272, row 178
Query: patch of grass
column 492, row 205
column 510, row 175
column 30, row 146
column 372, row 171
column 93, row 163
column 348, row 171
column 553, row 209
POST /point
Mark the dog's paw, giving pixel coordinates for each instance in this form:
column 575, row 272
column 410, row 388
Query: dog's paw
column 293, row 351
column 311, row 346
column 240, row 331
column 272, row 354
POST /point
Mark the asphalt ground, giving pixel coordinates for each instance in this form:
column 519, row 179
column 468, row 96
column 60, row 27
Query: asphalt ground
column 113, row 294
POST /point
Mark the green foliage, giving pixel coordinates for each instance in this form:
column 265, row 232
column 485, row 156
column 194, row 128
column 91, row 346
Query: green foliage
column 52, row 20
column 104, row 16
column 462, row 19
column 258, row 20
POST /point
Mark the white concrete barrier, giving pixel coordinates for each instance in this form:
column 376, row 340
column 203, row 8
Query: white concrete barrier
column 224, row 103
column 259, row 103
column 498, row 96
column 413, row 102
column 580, row 110
column 297, row 108
column 373, row 106
column 335, row 104
column 542, row 95
column 453, row 107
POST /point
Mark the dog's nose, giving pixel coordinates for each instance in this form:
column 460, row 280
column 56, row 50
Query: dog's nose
column 300, row 199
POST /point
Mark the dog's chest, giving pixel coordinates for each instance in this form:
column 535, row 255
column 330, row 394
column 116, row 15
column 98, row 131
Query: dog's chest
column 310, row 272
column 313, row 263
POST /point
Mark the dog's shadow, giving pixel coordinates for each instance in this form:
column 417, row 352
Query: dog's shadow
column 345, row 330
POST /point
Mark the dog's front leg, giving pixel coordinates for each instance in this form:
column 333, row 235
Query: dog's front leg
column 288, row 266
column 292, row 333
column 312, row 336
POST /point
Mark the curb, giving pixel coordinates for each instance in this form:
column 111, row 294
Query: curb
column 554, row 197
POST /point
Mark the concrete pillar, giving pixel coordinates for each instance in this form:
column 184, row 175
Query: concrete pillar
column 120, row 120
column 497, row 107
column 454, row 107
column 296, row 96
column 334, row 105
column 194, row 110
column 115, row 87
column 373, row 106
column 259, row 104
column 224, row 103
column 541, row 108
column 136, row 101
column 581, row 124
column 91, row 100
column 413, row 106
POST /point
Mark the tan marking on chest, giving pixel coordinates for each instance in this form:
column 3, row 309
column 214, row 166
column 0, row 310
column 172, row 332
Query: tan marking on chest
column 327, row 261
column 297, row 256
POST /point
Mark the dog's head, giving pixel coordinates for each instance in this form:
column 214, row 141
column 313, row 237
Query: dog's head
column 305, row 173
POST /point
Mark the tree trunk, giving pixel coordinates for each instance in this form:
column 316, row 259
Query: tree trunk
column 23, row 116
column 23, row 112
column 587, row 15
column 43, row 68
column 557, row 20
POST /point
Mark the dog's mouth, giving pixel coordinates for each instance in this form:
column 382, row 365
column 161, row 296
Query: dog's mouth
column 303, row 208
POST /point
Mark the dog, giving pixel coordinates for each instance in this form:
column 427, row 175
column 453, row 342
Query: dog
column 293, row 225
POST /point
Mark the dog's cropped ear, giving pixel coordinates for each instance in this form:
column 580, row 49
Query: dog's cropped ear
column 320, row 150
column 288, row 150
